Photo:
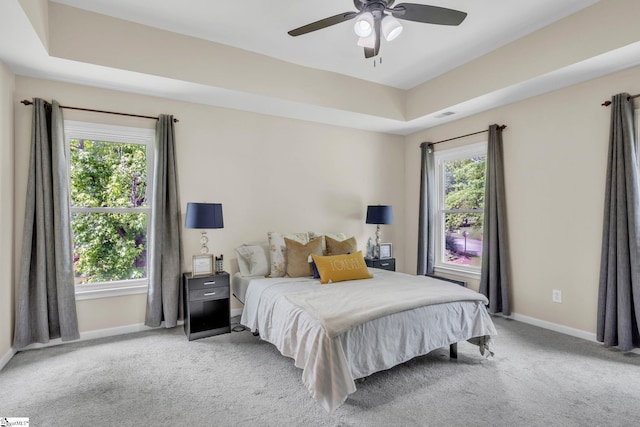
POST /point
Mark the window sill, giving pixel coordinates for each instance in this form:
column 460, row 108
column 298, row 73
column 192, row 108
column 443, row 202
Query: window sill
column 468, row 274
column 85, row 292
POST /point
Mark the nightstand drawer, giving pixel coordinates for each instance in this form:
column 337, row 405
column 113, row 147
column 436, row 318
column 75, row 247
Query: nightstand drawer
column 383, row 263
column 208, row 282
column 387, row 264
column 217, row 292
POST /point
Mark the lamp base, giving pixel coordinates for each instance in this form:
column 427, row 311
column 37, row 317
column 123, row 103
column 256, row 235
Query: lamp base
column 204, row 249
column 376, row 248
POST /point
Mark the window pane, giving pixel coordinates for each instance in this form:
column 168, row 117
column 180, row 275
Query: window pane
column 108, row 174
column 463, row 239
column 109, row 246
column 464, row 183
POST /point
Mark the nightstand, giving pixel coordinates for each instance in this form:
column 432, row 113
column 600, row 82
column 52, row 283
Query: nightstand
column 383, row 263
column 206, row 305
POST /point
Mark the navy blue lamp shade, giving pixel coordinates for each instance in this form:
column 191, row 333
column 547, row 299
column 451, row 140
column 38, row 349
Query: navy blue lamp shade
column 204, row 215
column 379, row 214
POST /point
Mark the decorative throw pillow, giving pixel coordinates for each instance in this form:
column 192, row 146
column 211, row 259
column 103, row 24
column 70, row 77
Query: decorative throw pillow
column 298, row 257
column 278, row 250
column 335, row 236
column 338, row 268
column 253, row 260
column 337, row 247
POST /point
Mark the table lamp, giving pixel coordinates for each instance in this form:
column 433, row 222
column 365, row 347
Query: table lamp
column 379, row 214
column 204, row 216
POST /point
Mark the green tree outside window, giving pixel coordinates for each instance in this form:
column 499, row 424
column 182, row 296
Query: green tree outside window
column 108, row 202
column 464, row 184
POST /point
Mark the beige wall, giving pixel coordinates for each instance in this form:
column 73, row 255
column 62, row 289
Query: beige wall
column 270, row 174
column 568, row 41
column 38, row 13
column 6, row 212
column 286, row 175
column 92, row 38
column 555, row 150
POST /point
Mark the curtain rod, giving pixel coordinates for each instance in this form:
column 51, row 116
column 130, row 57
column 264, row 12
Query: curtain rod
column 27, row 102
column 501, row 127
column 607, row 103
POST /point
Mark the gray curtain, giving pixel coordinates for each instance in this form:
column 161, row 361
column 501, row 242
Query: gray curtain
column 165, row 255
column 494, row 279
column 619, row 292
column 45, row 294
column 426, row 235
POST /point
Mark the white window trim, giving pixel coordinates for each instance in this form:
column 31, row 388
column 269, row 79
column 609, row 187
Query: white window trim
column 111, row 133
column 440, row 157
column 111, row 289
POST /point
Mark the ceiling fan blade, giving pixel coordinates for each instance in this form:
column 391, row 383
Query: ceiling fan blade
column 323, row 23
column 428, row 14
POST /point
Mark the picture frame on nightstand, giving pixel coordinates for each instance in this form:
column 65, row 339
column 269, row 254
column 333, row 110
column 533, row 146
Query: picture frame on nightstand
column 202, row 265
column 386, row 250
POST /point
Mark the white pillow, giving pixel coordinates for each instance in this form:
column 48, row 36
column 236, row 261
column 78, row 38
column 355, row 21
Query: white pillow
column 278, row 250
column 334, row 236
column 253, row 260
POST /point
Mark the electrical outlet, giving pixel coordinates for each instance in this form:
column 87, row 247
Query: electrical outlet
column 556, row 296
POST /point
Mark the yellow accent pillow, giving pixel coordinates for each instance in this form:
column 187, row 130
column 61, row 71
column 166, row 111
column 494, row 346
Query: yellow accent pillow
column 339, row 247
column 338, row 268
column 298, row 264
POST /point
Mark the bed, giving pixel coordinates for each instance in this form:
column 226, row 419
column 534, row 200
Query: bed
column 240, row 283
column 341, row 332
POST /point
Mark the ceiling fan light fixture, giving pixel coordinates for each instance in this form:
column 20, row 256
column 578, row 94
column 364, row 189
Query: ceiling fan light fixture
column 364, row 24
column 391, row 28
column 369, row 42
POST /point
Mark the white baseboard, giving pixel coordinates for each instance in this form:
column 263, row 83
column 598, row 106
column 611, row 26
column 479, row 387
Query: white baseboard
column 554, row 327
column 578, row 333
column 99, row 333
column 5, row 359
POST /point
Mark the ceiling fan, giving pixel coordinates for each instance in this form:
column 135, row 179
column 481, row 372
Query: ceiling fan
column 374, row 16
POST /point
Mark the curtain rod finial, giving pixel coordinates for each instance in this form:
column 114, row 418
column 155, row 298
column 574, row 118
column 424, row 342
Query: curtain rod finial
column 606, row 103
column 26, row 102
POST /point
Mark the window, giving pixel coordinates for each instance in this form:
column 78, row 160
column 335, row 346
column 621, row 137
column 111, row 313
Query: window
column 460, row 179
column 110, row 171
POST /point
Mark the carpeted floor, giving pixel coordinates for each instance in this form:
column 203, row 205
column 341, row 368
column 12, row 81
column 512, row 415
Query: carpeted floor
column 537, row 378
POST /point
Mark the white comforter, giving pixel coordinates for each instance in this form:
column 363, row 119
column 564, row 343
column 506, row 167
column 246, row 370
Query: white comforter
column 331, row 361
